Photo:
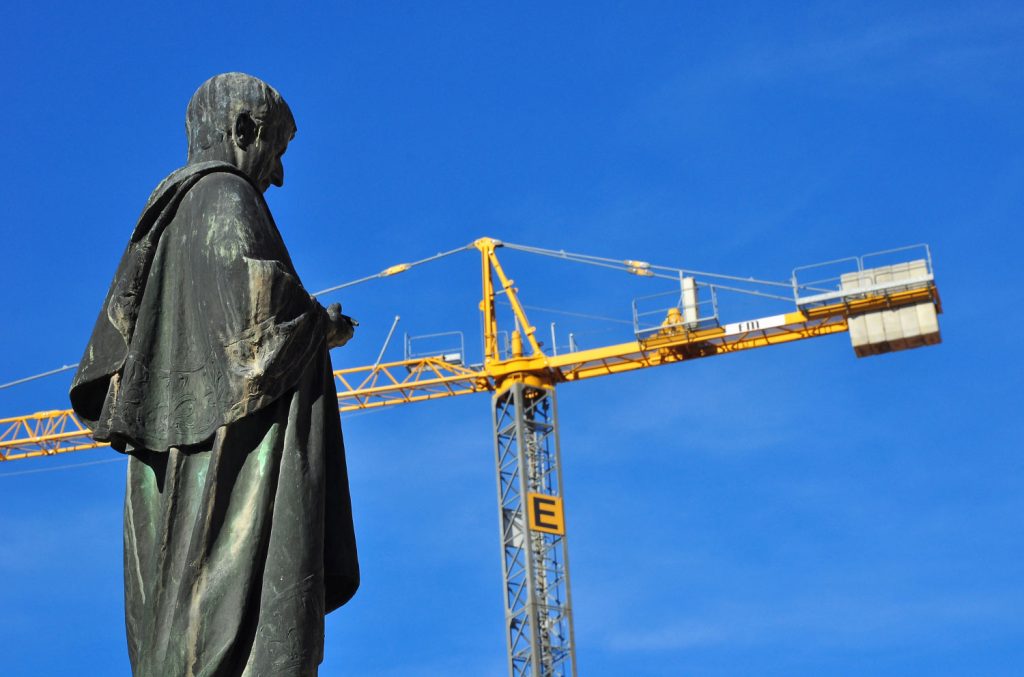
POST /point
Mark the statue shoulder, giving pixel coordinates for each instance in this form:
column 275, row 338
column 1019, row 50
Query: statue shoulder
column 221, row 196
column 228, row 216
column 225, row 185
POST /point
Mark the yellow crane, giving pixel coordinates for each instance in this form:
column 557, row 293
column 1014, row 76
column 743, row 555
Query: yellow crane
column 886, row 301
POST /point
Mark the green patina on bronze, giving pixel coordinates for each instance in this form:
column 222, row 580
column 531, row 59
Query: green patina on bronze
column 209, row 365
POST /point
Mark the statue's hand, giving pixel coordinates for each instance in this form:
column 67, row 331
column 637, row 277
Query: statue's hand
column 340, row 328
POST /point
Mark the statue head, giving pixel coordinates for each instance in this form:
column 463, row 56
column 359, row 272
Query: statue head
column 241, row 120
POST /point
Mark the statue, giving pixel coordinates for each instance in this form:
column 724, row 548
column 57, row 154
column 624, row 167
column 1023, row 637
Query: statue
column 209, row 367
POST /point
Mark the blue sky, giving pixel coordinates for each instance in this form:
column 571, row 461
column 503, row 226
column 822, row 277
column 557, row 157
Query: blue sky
column 790, row 511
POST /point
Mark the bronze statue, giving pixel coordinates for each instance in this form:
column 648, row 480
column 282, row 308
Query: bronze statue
column 209, row 367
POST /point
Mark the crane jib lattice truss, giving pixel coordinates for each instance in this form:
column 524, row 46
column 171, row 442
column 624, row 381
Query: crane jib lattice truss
column 883, row 307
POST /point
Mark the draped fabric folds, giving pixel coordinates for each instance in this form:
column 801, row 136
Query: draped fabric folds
column 209, row 366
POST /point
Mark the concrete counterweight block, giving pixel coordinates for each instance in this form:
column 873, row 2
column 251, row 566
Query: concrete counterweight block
column 884, row 331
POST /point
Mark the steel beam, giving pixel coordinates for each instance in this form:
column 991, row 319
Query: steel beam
column 534, row 557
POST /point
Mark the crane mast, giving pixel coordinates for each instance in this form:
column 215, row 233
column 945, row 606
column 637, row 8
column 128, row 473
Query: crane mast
column 883, row 307
column 534, row 550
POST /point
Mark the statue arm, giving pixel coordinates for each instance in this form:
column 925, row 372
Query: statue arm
column 238, row 250
column 239, row 229
column 256, row 314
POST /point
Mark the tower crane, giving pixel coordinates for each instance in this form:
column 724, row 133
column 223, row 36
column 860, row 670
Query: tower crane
column 886, row 301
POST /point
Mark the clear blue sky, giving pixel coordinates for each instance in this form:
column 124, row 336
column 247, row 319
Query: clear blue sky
column 791, row 511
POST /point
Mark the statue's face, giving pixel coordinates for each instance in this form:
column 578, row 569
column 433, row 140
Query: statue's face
column 261, row 159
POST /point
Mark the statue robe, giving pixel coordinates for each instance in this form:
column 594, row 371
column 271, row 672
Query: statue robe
column 209, row 366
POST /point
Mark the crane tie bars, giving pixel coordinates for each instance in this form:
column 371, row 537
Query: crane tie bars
column 676, row 338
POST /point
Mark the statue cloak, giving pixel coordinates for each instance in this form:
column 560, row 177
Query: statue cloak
column 209, row 366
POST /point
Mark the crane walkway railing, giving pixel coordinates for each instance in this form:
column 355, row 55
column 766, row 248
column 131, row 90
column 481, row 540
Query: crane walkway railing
column 688, row 333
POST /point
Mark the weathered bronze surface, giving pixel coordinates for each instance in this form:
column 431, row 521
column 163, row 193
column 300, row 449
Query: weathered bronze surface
column 209, row 366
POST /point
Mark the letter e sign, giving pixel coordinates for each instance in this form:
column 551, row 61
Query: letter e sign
column 545, row 513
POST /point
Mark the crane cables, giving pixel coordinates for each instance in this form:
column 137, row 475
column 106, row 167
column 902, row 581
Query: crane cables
column 393, row 270
column 641, row 268
column 33, row 377
column 645, row 269
column 387, row 272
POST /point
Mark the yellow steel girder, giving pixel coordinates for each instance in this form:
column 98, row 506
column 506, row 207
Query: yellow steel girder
column 417, row 380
